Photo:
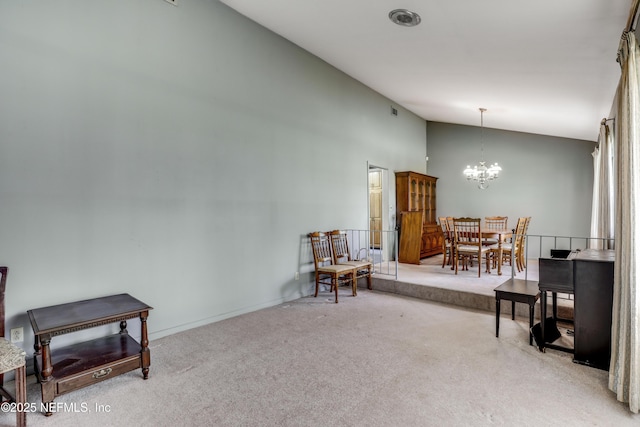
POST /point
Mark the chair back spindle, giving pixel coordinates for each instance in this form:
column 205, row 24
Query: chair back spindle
column 340, row 246
column 321, row 247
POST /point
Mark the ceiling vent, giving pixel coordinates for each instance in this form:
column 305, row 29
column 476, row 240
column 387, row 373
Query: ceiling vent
column 404, row 17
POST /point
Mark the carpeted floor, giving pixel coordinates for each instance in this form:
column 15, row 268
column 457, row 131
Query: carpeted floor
column 377, row 359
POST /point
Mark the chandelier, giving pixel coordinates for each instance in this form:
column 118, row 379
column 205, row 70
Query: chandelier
column 480, row 173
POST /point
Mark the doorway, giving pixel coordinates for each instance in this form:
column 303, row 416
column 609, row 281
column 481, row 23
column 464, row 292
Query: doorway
column 375, row 207
column 378, row 209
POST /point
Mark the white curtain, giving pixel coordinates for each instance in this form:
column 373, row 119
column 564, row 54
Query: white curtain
column 624, row 371
column 602, row 225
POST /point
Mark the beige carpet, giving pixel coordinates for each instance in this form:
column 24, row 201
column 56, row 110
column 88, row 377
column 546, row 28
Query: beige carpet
column 428, row 280
column 431, row 273
column 374, row 360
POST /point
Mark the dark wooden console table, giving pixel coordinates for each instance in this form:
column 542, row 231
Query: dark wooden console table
column 86, row 363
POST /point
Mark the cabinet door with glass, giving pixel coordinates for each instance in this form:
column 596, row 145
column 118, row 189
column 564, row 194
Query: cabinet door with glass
column 417, row 192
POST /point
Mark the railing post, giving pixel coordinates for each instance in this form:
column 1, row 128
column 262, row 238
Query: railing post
column 395, row 255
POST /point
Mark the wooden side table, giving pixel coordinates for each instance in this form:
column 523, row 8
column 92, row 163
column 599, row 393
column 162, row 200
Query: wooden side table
column 86, row 363
column 517, row 290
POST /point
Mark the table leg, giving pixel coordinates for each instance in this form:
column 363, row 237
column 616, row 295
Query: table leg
column 497, row 315
column 47, row 386
column 144, row 343
column 36, row 345
column 543, row 316
column 513, row 310
column 499, row 254
column 47, row 367
column 531, row 312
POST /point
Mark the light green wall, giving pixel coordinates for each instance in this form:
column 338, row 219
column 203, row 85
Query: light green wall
column 179, row 154
column 547, row 178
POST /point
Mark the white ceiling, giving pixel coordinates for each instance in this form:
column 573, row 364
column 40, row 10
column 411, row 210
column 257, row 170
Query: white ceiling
column 540, row 66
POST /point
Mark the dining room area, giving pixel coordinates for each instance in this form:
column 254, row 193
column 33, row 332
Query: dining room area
column 461, row 260
column 466, row 263
column 461, row 238
column 490, row 241
column 481, row 248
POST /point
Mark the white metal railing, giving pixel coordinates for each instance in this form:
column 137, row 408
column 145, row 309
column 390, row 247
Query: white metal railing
column 572, row 243
column 540, row 246
column 381, row 248
column 378, row 246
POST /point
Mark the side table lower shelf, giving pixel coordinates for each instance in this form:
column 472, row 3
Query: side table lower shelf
column 62, row 370
column 89, row 362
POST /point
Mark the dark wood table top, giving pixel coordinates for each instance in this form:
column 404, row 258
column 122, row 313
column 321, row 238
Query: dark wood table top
column 519, row 287
column 55, row 318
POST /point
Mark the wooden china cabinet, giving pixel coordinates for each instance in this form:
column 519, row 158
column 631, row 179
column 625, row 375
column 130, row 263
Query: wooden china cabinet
column 420, row 234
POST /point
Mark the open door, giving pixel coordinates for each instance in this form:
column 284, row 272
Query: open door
column 375, row 208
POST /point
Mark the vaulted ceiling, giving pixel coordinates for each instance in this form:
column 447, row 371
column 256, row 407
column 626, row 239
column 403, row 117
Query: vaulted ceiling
column 546, row 66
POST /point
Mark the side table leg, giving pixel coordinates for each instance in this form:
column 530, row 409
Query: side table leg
column 36, row 345
column 497, row 315
column 531, row 312
column 144, row 343
column 543, row 317
column 48, row 386
column 47, row 367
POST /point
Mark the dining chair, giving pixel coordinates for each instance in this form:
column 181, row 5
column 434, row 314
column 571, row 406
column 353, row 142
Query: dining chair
column 447, row 241
column 342, row 256
column 522, row 245
column 515, row 248
column 494, row 223
column 12, row 358
column 326, row 271
column 468, row 243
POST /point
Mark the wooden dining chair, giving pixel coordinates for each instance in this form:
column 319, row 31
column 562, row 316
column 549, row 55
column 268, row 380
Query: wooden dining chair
column 12, row 358
column 326, row 271
column 447, row 240
column 523, row 244
column 494, row 223
column 521, row 261
column 342, row 256
column 468, row 243
column 515, row 248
